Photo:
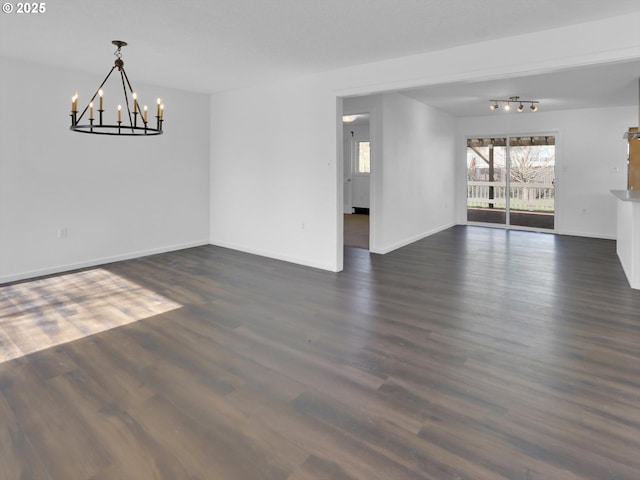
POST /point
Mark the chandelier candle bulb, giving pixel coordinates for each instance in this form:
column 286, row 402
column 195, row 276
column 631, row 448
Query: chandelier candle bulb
column 74, row 102
column 119, row 113
column 91, row 111
column 100, row 92
column 145, row 114
column 158, row 109
column 135, row 102
column 161, row 110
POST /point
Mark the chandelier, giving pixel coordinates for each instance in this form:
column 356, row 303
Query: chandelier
column 495, row 104
column 135, row 122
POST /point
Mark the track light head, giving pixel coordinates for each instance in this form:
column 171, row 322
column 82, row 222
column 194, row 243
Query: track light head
column 520, row 108
column 507, row 107
column 534, row 107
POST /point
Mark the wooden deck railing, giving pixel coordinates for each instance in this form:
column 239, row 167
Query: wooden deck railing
column 523, row 196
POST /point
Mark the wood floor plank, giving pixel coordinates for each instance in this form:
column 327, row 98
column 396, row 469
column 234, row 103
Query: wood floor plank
column 14, row 444
column 52, row 362
column 112, row 363
column 66, row 446
column 8, row 348
column 316, row 468
column 129, row 446
column 326, row 441
column 320, row 374
column 209, row 451
column 471, row 354
column 205, row 403
column 388, row 440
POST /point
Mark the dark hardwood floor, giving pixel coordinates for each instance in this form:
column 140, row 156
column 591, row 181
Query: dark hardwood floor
column 356, row 230
column 475, row 353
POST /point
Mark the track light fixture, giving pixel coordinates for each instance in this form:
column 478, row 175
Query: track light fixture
column 495, row 104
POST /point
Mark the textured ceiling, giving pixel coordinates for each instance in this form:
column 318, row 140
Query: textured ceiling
column 216, row 45
column 604, row 85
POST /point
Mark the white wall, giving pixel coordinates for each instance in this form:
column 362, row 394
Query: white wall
column 276, row 185
column 591, row 160
column 418, row 172
column 117, row 197
column 413, row 168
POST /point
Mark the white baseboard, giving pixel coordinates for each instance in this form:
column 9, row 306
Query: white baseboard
column 629, row 274
column 276, row 256
column 404, row 243
column 587, row 235
column 97, row 261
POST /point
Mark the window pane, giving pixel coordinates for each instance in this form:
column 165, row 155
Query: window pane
column 532, row 181
column 486, row 180
column 364, row 157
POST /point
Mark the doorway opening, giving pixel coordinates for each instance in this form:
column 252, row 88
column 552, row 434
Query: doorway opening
column 511, row 181
column 357, row 179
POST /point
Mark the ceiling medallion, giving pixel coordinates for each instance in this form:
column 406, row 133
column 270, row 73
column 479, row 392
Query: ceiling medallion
column 132, row 125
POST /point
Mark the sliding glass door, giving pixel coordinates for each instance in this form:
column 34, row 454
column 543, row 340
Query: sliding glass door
column 511, row 181
column 532, row 163
column 486, row 180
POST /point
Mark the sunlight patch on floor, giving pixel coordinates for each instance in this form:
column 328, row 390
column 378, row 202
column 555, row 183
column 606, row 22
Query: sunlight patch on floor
column 43, row 313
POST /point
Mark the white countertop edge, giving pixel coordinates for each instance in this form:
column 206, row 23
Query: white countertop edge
column 627, row 195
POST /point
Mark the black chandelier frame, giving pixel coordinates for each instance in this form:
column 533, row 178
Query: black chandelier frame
column 135, row 127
